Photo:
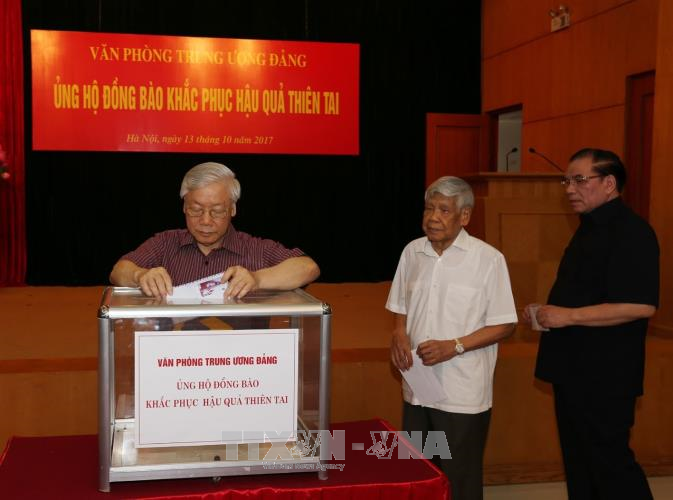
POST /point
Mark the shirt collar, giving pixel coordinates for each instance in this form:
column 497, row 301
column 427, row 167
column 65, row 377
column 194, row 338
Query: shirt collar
column 228, row 243
column 186, row 238
column 605, row 213
column 462, row 242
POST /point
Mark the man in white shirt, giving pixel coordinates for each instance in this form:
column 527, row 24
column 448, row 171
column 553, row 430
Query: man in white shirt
column 453, row 302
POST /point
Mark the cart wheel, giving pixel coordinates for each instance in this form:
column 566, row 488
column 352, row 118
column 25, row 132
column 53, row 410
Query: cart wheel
column 216, row 479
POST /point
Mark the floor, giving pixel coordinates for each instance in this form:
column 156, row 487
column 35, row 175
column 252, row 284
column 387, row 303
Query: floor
column 662, row 489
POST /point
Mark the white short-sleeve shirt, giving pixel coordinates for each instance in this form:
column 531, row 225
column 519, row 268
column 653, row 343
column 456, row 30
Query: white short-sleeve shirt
column 450, row 296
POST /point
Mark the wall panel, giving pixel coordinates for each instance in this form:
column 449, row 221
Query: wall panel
column 559, row 137
column 661, row 201
column 580, row 68
column 509, row 23
column 571, row 83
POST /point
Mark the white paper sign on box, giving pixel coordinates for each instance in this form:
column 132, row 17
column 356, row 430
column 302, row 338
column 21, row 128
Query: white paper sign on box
column 215, row 386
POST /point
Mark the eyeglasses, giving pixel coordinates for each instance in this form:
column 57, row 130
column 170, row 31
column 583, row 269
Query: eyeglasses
column 214, row 213
column 578, row 180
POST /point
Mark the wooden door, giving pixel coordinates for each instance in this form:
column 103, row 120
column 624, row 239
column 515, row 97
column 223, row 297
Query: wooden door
column 455, row 145
column 638, row 146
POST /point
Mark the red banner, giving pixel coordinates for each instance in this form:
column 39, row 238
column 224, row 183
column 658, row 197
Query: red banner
column 117, row 92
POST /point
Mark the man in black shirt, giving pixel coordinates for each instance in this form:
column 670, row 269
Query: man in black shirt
column 593, row 353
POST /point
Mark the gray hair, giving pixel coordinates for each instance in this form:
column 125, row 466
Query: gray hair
column 452, row 186
column 206, row 173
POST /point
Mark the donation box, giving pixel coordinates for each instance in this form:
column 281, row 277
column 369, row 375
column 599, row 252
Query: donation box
column 211, row 388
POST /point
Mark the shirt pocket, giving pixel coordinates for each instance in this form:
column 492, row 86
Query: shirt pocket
column 460, row 305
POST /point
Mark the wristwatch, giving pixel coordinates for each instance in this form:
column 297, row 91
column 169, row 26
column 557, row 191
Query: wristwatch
column 460, row 348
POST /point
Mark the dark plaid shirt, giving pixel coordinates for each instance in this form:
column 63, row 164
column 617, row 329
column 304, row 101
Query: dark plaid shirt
column 176, row 251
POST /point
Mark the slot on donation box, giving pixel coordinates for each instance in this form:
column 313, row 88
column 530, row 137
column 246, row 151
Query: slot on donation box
column 211, row 388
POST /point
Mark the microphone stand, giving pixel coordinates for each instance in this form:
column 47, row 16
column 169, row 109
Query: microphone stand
column 513, row 150
column 535, row 152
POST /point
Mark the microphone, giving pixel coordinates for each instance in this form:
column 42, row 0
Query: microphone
column 513, row 150
column 535, row 152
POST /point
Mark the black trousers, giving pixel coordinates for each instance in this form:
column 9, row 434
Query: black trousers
column 594, row 431
column 466, row 436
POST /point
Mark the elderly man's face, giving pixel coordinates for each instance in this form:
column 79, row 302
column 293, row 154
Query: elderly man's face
column 208, row 212
column 584, row 196
column 442, row 221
